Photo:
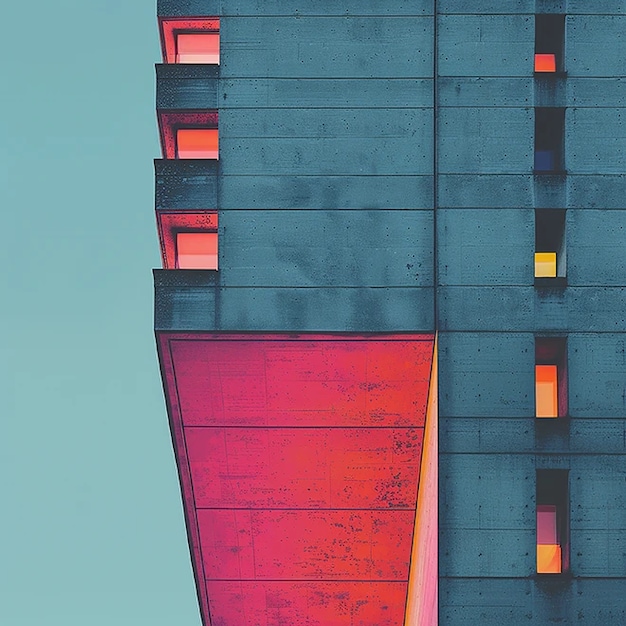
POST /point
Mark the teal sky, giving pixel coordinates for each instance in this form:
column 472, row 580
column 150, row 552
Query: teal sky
column 92, row 524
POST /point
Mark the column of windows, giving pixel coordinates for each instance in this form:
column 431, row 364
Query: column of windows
column 194, row 135
column 552, row 493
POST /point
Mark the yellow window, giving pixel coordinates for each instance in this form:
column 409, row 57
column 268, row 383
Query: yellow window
column 549, row 560
column 545, row 264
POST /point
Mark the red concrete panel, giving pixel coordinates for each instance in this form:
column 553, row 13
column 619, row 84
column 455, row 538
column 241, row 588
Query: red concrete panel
column 283, row 383
column 304, row 467
column 306, row 544
column 306, row 603
column 299, row 460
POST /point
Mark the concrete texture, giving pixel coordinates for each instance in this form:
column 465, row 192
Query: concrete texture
column 376, row 175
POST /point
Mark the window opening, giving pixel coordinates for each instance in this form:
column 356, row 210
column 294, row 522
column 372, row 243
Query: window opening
column 550, row 259
column 550, row 377
column 552, row 521
column 549, row 43
column 549, row 132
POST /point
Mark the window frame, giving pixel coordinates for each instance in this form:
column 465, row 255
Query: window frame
column 170, row 27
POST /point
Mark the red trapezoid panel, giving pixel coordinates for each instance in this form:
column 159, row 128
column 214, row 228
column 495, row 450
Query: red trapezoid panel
column 299, row 459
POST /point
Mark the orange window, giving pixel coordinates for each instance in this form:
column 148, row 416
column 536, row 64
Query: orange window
column 197, row 143
column 545, row 63
column 198, row 48
column 549, row 557
column 546, row 391
column 196, row 251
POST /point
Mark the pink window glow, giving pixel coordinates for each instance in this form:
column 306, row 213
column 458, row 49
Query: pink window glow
column 198, row 48
column 173, row 28
column 197, row 143
column 196, row 251
column 549, row 560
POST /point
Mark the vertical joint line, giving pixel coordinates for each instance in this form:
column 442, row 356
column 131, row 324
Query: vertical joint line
column 435, row 169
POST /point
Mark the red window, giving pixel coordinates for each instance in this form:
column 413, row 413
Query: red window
column 190, row 40
column 196, row 251
column 197, row 143
column 545, row 63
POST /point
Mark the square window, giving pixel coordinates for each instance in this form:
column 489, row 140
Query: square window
column 197, row 143
column 544, row 160
column 550, row 377
column 545, row 264
column 552, row 521
column 545, row 63
column 196, row 251
column 198, row 48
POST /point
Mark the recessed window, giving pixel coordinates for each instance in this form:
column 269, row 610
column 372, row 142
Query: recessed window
column 190, row 39
column 197, row 143
column 550, row 377
column 549, row 131
column 552, row 522
column 198, row 48
column 550, row 259
column 196, row 251
column 549, row 39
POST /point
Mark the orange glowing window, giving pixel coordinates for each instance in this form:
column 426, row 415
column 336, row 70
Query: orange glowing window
column 545, row 63
column 198, row 48
column 546, row 391
column 197, row 143
column 550, row 377
column 196, row 251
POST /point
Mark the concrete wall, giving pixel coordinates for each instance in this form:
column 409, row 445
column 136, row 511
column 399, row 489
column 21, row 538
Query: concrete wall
column 324, row 184
column 489, row 312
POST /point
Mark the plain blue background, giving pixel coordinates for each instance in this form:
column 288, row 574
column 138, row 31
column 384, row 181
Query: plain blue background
column 92, row 531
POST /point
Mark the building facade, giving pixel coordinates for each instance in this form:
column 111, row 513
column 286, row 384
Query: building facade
column 390, row 319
